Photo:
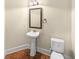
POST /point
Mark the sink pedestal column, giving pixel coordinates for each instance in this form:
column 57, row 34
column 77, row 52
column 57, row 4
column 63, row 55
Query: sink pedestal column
column 33, row 47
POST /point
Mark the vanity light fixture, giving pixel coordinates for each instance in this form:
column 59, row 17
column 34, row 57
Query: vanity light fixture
column 34, row 2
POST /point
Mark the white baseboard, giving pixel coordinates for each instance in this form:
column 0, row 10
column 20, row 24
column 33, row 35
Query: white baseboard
column 15, row 49
column 26, row 46
column 44, row 51
column 67, row 57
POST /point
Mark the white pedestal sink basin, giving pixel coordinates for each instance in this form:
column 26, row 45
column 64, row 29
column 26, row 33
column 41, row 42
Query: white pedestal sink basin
column 34, row 36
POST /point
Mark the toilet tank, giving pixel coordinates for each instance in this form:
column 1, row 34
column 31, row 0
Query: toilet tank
column 57, row 45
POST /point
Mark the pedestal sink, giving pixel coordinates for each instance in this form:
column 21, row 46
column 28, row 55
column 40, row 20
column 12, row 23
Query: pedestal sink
column 34, row 36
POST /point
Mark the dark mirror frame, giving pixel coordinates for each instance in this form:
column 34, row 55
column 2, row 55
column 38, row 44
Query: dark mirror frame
column 31, row 19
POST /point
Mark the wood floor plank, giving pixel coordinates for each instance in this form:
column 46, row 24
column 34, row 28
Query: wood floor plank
column 25, row 54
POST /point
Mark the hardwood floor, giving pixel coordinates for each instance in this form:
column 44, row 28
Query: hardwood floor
column 25, row 54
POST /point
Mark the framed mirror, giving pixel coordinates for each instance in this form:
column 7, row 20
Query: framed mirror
column 35, row 18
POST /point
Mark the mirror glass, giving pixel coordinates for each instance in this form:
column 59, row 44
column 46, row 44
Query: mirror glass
column 35, row 18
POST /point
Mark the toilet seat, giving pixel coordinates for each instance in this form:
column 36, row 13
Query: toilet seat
column 55, row 55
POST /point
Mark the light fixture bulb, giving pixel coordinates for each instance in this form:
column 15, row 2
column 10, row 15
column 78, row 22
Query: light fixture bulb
column 31, row 3
column 34, row 2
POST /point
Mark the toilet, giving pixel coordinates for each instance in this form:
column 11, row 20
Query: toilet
column 57, row 48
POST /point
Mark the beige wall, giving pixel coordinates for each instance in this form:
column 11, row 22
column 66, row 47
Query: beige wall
column 57, row 13
column 16, row 14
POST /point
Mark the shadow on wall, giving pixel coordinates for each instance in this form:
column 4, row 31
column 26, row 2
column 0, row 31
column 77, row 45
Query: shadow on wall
column 73, row 55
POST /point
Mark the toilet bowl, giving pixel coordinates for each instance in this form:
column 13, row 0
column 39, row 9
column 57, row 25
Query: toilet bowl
column 55, row 55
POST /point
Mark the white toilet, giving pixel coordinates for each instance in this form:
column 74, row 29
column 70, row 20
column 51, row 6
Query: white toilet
column 57, row 48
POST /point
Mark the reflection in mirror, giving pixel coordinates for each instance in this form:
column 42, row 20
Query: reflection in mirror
column 35, row 18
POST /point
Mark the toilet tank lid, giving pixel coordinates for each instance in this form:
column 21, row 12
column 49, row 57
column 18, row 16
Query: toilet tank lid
column 57, row 40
